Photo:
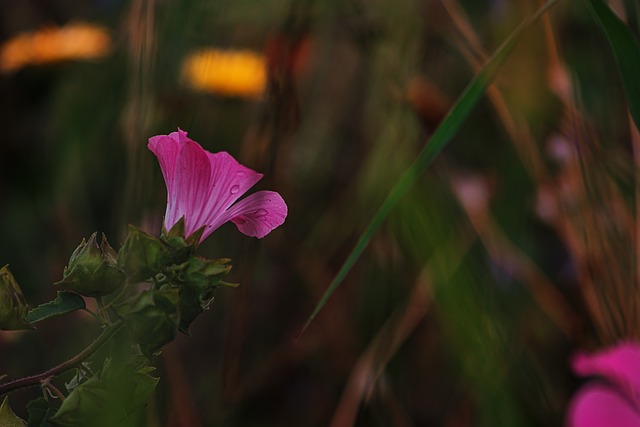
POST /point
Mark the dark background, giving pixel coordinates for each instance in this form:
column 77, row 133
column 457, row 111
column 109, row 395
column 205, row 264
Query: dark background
column 465, row 307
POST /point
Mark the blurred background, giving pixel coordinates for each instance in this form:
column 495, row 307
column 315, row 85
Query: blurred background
column 468, row 302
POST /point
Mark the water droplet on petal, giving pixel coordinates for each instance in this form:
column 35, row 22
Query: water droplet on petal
column 234, row 189
column 260, row 213
column 240, row 173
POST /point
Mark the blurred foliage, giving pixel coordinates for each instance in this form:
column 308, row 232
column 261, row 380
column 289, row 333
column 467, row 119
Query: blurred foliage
column 465, row 306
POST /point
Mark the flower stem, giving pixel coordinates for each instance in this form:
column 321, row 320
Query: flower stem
column 94, row 315
column 44, row 377
column 103, row 313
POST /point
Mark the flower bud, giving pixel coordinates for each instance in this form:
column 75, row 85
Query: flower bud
column 93, row 269
column 13, row 308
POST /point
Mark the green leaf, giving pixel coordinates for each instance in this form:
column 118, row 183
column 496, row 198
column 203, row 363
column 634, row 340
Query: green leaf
column 7, row 417
column 111, row 397
column 39, row 413
column 127, row 374
column 66, row 302
column 441, row 137
column 90, row 404
column 626, row 51
column 152, row 318
column 132, row 388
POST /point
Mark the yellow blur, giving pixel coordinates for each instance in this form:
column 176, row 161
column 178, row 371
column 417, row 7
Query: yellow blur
column 232, row 73
column 51, row 44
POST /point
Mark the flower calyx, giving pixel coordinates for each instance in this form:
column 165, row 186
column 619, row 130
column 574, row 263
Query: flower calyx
column 143, row 256
column 197, row 281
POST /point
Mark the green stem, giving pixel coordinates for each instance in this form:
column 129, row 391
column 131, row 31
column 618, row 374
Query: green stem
column 94, row 315
column 43, row 377
column 103, row 313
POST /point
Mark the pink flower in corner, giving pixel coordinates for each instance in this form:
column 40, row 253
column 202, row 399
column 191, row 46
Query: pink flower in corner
column 202, row 187
column 614, row 398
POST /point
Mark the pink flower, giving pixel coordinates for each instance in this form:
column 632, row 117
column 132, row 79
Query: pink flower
column 202, row 187
column 614, row 399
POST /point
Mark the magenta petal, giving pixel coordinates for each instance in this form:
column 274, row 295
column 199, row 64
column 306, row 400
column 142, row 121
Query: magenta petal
column 230, row 180
column 166, row 150
column 619, row 364
column 601, row 406
column 191, row 182
column 181, row 136
column 257, row 214
column 202, row 187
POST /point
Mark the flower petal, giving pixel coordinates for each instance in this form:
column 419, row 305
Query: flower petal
column 192, row 180
column 619, row 364
column 255, row 215
column 166, row 150
column 202, row 187
column 599, row 406
column 229, row 181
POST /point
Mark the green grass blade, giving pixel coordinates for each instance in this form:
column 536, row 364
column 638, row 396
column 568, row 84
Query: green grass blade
column 445, row 132
column 626, row 51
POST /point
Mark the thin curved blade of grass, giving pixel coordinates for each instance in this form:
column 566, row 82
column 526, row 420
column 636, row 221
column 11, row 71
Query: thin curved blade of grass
column 626, row 51
column 445, row 132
